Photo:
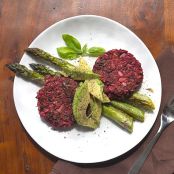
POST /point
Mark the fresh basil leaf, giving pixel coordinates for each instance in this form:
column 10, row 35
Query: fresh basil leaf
column 84, row 50
column 95, row 51
column 72, row 42
column 67, row 53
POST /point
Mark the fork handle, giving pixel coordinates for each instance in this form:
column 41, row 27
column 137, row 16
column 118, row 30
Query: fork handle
column 140, row 161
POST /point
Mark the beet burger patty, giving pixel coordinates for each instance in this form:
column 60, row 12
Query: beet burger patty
column 55, row 101
column 120, row 72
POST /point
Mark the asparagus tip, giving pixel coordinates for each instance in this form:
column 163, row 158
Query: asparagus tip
column 32, row 65
column 12, row 67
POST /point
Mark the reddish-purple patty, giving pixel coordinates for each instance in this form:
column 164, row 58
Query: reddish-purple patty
column 120, row 72
column 55, row 101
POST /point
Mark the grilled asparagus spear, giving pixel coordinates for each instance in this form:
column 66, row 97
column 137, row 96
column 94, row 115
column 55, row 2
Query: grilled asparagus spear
column 142, row 100
column 71, row 70
column 44, row 70
column 25, row 72
column 121, row 118
column 135, row 112
column 38, row 53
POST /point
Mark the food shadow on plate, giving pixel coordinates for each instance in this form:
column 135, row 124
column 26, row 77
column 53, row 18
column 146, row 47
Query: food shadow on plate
column 120, row 127
column 83, row 129
column 62, row 129
column 34, row 82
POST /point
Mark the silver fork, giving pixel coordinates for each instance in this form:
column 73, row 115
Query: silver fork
column 166, row 118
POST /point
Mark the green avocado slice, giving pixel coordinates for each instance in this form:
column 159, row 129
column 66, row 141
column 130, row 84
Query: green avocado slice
column 82, row 101
column 95, row 87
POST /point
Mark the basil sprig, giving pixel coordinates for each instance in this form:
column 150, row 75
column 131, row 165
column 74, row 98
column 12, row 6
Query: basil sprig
column 95, row 51
column 73, row 49
column 72, row 42
column 67, row 53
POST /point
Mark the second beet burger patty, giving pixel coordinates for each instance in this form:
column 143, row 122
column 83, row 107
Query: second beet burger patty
column 55, row 101
column 120, row 72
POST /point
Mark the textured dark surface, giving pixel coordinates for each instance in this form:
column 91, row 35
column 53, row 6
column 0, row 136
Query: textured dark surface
column 22, row 21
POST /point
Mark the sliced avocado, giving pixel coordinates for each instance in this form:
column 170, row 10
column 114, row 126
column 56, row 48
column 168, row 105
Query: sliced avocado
column 96, row 109
column 82, row 101
column 105, row 98
column 83, row 65
column 95, row 87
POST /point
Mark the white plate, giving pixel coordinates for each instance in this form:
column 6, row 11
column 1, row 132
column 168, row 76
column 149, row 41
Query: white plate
column 108, row 141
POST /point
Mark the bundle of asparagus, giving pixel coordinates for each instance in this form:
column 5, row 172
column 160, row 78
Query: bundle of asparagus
column 123, row 113
column 66, row 67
